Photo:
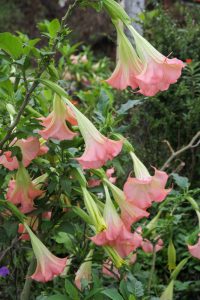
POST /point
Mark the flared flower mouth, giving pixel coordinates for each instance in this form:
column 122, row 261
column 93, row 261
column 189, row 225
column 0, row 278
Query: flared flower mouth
column 55, row 123
column 48, row 265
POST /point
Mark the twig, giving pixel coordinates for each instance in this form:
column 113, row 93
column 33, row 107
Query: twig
column 192, row 144
column 13, row 243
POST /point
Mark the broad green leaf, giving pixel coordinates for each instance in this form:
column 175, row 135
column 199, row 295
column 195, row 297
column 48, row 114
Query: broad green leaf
column 57, row 297
column 11, row 44
column 54, row 27
column 181, row 181
column 71, row 290
column 128, row 105
column 112, row 294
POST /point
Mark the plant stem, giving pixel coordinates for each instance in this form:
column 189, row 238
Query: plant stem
column 152, row 270
column 36, row 82
column 25, row 295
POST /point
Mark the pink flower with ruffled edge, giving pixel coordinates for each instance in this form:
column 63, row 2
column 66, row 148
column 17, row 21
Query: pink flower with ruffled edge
column 144, row 188
column 158, row 71
column 128, row 65
column 29, row 147
column 84, row 271
column 116, row 234
column 98, row 148
column 145, row 68
column 48, row 265
column 22, row 191
column 147, row 246
column 195, row 249
column 130, row 213
column 55, row 123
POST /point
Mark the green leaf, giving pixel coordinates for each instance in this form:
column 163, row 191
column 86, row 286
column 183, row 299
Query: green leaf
column 181, row 181
column 93, row 293
column 64, row 238
column 57, row 297
column 112, row 294
column 11, row 44
column 128, row 105
column 71, row 290
column 53, row 28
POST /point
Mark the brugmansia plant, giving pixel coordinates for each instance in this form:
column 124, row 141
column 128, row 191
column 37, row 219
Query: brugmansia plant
column 59, row 166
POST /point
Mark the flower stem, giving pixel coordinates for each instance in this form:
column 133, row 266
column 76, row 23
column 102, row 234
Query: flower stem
column 152, row 270
column 25, row 295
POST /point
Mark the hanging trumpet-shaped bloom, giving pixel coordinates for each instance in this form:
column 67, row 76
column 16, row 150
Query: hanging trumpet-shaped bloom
column 130, row 213
column 145, row 68
column 158, row 71
column 85, row 271
column 116, row 235
column 128, row 65
column 30, row 148
column 48, row 265
column 55, row 123
column 144, row 188
column 22, row 191
column 98, row 148
column 195, row 249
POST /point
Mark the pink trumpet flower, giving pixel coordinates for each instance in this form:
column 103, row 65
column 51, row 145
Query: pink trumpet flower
column 55, row 123
column 130, row 213
column 30, row 148
column 98, row 148
column 145, row 68
column 144, row 188
column 22, row 191
column 48, row 265
column 116, row 235
column 158, row 71
column 85, row 271
column 128, row 65
column 195, row 249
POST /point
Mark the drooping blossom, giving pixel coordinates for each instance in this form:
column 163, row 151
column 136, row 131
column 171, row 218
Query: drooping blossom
column 148, row 247
column 4, row 271
column 30, row 148
column 144, row 189
column 158, row 71
column 98, row 148
column 48, row 265
column 145, row 68
column 128, row 64
column 92, row 182
column 85, row 271
column 116, row 234
column 55, row 124
column 22, row 191
column 195, row 249
column 130, row 213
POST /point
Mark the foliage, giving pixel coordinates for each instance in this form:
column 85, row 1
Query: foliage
column 80, row 76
